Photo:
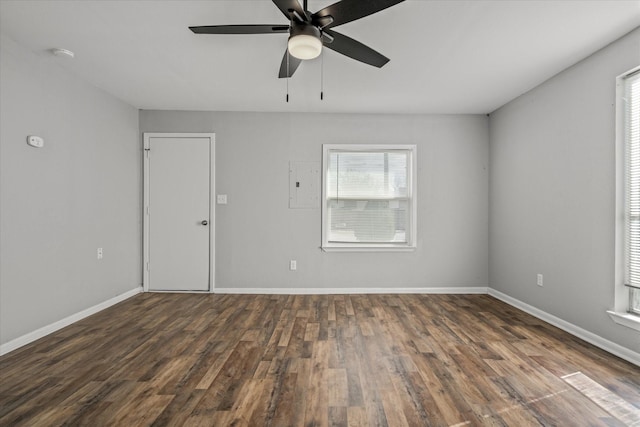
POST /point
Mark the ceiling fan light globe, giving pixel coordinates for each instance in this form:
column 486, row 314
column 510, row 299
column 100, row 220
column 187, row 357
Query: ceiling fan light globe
column 304, row 46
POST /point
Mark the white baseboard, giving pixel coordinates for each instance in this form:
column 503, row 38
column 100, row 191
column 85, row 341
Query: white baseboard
column 46, row 330
column 344, row 291
column 613, row 348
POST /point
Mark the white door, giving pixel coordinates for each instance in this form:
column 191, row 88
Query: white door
column 178, row 212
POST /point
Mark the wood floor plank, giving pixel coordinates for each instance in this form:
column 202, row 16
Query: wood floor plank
column 301, row 394
column 315, row 360
column 214, row 369
column 316, row 410
column 281, row 410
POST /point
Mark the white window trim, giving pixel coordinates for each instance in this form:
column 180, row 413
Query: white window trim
column 412, row 195
column 625, row 319
column 619, row 314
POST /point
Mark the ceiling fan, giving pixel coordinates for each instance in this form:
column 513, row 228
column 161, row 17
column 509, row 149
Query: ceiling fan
column 309, row 32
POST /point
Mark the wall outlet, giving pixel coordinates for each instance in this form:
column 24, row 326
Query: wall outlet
column 293, row 264
column 99, row 253
column 540, row 280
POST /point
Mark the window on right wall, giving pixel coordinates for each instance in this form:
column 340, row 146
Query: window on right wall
column 629, row 104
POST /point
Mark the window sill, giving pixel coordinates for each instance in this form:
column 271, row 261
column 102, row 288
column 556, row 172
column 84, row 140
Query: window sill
column 625, row 319
column 368, row 248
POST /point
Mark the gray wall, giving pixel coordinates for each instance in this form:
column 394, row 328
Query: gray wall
column 552, row 193
column 257, row 234
column 61, row 202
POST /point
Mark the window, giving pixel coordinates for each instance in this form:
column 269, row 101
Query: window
column 631, row 132
column 369, row 197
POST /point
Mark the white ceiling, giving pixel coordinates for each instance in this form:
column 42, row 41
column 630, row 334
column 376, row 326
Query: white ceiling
column 446, row 56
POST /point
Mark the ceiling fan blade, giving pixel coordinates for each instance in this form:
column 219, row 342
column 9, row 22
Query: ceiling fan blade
column 354, row 49
column 240, row 29
column 286, row 5
column 287, row 70
column 349, row 10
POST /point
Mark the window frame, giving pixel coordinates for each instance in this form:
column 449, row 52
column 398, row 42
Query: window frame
column 621, row 313
column 411, row 235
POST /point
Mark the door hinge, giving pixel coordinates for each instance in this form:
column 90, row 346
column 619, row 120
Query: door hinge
column 147, row 152
column 147, row 266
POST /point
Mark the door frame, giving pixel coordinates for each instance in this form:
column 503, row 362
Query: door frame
column 146, row 136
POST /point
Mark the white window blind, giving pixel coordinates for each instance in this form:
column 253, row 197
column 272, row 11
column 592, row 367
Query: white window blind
column 368, row 196
column 632, row 150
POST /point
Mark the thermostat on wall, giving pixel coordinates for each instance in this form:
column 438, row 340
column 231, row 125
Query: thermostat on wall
column 35, row 141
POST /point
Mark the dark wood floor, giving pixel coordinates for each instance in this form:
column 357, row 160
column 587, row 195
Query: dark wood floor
column 347, row 360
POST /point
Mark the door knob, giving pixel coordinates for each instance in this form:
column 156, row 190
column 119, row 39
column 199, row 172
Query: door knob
column 205, row 222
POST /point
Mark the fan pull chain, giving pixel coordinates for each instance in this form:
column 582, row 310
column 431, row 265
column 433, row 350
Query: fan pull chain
column 287, row 76
column 322, row 78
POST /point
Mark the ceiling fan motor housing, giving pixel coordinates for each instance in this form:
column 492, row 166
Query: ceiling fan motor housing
column 305, row 41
